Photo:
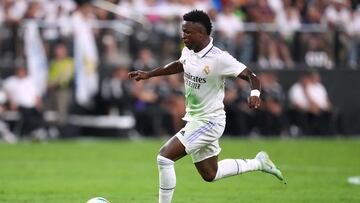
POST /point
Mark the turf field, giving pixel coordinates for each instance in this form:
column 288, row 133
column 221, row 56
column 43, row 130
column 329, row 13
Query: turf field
column 126, row 172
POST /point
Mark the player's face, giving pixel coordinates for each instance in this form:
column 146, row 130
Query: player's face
column 191, row 34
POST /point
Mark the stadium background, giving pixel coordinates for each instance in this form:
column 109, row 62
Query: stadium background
column 78, row 53
column 284, row 39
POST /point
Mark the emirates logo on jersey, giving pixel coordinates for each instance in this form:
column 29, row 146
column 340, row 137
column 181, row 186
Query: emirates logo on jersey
column 193, row 81
column 206, row 70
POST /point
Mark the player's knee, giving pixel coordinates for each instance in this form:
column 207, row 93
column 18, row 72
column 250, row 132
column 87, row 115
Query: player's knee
column 163, row 161
column 208, row 176
column 162, row 151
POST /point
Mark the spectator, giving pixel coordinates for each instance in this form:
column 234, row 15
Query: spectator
column 86, row 57
column 169, row 51
column 311, row 108
column 145, row 60
column 11, row 14
column 175, row 101
column 58, row 13
column 5, row 132
column 270, row 118
column 352, row 29
column 151, row 116
column 240, row 118
column 336, row 16
column 61, row 75
column 271, row 49
column 115, row 93
column 230, row 33
column 23, row 97
column 114, row 54
column 230, row 108
column 313, row 47
column 288, row 22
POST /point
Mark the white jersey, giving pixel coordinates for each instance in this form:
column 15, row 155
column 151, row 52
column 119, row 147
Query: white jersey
column 204, row 76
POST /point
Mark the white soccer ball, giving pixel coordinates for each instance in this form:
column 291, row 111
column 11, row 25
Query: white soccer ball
column 98, row 200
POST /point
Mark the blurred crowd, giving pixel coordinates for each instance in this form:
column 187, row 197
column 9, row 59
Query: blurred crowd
column 266, row 35
column 271, row 34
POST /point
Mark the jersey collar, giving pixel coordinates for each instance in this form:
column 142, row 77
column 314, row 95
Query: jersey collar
column 205, row 50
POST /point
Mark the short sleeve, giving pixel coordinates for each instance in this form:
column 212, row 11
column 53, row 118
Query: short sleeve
column 183, row 56
column 229, row 66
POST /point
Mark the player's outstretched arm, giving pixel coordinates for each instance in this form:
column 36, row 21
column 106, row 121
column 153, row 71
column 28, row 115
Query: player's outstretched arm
column 254, row 99
column 171, row 68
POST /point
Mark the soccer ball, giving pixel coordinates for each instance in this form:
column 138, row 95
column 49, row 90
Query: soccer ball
column 98, row 200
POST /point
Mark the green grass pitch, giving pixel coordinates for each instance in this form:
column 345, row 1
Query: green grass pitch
column 125, row 172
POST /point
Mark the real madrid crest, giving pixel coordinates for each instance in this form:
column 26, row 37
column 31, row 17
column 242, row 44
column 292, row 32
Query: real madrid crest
column 206, row 70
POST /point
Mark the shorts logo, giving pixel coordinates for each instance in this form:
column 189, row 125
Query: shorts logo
column 206, row 70
column 182, row 132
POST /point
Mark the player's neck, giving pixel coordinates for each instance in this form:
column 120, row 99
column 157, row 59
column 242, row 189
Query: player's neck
column 202, row 45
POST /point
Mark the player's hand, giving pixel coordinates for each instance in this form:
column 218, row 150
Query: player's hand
column 139, row 75
column 254, row 102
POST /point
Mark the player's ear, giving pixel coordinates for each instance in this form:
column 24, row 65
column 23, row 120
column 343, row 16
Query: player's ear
column 203, row 31
column 202, row 34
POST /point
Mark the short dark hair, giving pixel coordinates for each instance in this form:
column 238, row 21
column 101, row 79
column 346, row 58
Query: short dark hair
column 198, row 16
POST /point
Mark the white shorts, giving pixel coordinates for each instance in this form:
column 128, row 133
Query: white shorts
column 201, row 139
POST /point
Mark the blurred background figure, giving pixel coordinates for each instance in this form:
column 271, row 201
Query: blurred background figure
column 114, row 54
column 336, row 16
column 272, row 51
column 311, row 107
column 145, row 60
column 353, row 38
column 175, row 101
column 61, row 75
column 152, row 116
column 239, row 117
column 78, row 52
column 5, row 131
column 116, row 93
column 230, row 36
column 86, row 56
column 271, row 118
column 23, row 97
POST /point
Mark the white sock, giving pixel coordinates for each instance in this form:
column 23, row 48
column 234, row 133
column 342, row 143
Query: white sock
column 232, row 167
column 167, row 179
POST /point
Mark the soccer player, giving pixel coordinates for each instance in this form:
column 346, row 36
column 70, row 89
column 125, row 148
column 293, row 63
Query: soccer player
column 205, row 68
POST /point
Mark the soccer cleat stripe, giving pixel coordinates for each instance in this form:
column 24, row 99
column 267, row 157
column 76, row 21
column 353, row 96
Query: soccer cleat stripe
column 238, row 167
column 161, row 188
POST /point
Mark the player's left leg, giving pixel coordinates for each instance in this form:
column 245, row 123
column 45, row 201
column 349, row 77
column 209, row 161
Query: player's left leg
column 211, row 170
column 169, row 153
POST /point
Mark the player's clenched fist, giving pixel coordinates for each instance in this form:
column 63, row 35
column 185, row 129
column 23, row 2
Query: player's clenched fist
column 139, row 75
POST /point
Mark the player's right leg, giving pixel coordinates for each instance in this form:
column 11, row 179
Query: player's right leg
column 169, row 153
